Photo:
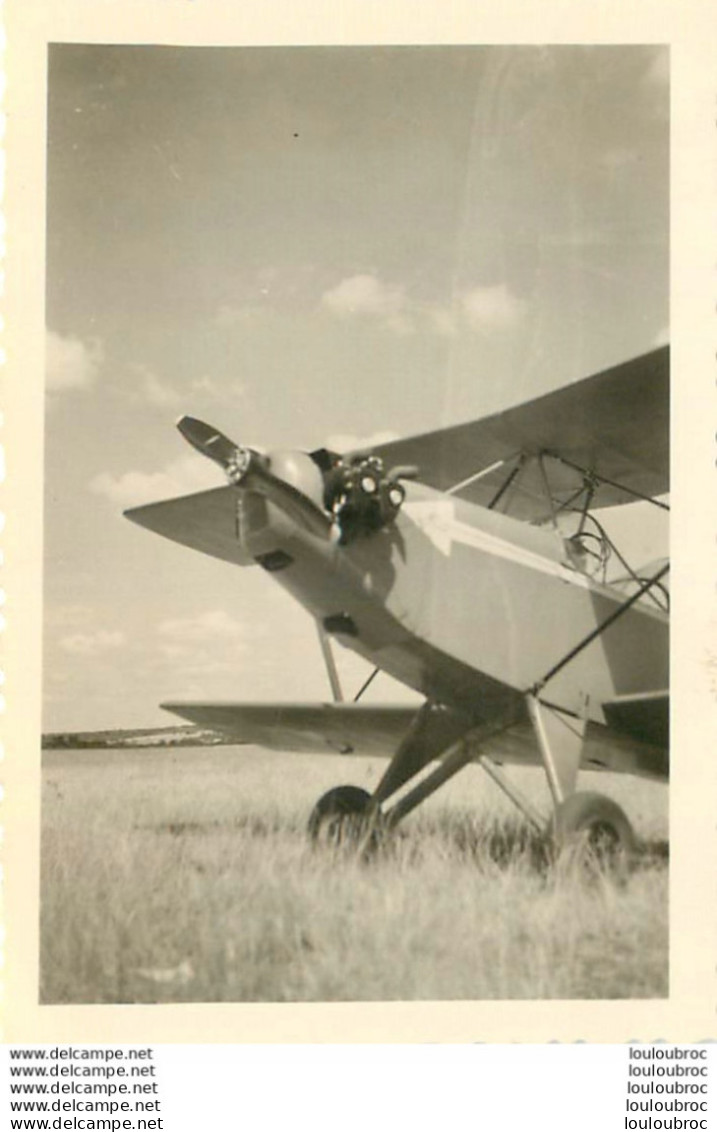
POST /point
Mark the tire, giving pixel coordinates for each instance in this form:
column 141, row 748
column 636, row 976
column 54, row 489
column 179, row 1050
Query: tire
column 340, row 817
column 593, row 832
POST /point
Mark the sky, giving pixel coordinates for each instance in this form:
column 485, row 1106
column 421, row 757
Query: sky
column 310, row 246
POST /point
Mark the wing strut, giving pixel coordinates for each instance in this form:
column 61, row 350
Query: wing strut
column 647, row 584
column 475, row 477
column 333, row 673
column 367, row 682
column 600, row 479
column 331, row 669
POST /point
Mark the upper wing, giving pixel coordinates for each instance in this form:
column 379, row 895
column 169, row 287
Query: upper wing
column 614, row 425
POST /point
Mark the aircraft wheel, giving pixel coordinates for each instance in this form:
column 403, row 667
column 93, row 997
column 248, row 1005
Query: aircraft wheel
column 594, row 832
column 340, row 818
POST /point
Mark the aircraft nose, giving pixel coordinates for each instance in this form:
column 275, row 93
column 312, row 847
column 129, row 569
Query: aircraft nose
column 285, row 478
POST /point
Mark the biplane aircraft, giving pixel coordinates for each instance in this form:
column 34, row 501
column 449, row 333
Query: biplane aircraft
column 470, row 564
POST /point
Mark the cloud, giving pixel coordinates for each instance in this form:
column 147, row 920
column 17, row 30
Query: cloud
column 187, row 474
column 491, row 308
column 146, row 387
column 71, row 363
column 92, row 644
column 662, row 338
column 369, row 297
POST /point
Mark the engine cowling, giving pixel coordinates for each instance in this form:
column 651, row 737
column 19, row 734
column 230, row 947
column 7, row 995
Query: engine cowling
column 299, row 470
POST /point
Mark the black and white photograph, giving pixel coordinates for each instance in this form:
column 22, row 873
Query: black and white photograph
column 356, row 560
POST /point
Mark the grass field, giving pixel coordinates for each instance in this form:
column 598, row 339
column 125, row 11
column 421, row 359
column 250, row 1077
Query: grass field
column 185, row 875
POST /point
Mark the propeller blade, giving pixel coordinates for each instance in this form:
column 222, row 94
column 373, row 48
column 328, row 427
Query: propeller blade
column 209, row 441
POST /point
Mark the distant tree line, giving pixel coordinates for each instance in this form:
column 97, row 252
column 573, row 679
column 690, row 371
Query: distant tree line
column 140, row 737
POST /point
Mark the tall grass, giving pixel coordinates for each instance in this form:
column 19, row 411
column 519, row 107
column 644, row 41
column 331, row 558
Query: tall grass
column 186, row 876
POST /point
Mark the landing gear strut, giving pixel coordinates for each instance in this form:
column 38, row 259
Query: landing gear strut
column 587, row 829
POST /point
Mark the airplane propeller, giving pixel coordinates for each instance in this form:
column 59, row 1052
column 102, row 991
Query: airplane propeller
column 273, row 475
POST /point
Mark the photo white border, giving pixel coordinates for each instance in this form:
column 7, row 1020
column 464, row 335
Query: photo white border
column 690, row 29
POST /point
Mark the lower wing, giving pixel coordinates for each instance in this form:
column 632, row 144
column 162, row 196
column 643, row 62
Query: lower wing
column 377, row 729
column 359, row 729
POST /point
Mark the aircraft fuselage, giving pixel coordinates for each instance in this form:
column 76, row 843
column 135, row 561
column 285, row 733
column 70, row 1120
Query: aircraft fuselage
column 463, row 604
